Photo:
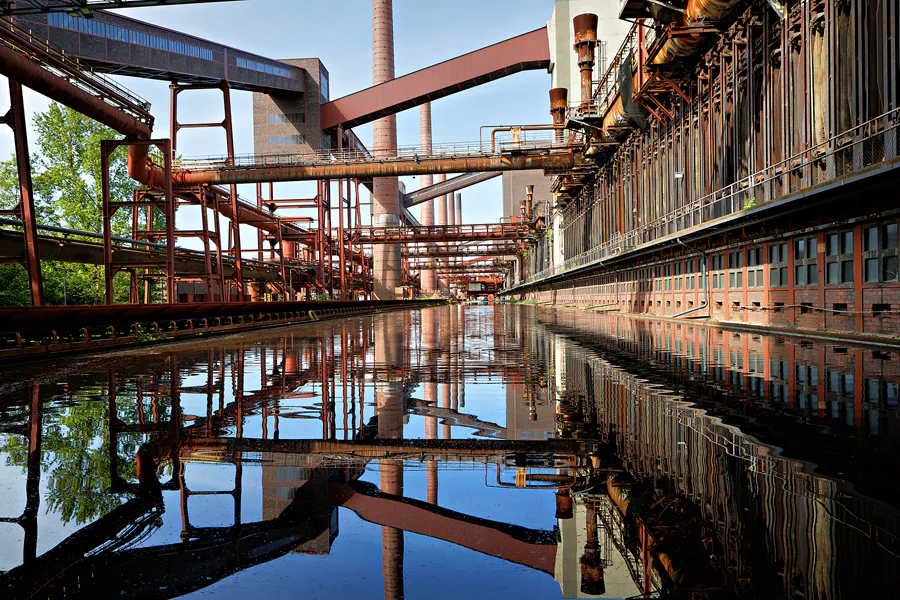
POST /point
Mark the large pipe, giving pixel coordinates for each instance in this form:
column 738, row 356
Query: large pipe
column 422, row 166
column 585, row 44
column 697, row 11
column 451, row 209
column 35, row 77
column 559, row 102
column 459, row 209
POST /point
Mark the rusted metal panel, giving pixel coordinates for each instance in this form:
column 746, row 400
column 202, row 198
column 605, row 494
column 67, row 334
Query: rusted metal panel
column 529, row 51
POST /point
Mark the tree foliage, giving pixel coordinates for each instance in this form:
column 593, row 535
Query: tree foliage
column 66, row 178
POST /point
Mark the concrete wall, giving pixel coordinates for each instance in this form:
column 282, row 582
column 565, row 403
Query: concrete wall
column 514, row 183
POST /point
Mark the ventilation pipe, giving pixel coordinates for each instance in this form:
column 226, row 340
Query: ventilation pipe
column 559, row 101
column 529, row 202
column 585, row 44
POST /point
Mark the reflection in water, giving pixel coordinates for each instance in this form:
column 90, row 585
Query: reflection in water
column 631, row 458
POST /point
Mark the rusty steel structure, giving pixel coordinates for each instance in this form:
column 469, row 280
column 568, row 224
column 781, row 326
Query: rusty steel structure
column 736, row 155
column 680, row 179
column 331, row 253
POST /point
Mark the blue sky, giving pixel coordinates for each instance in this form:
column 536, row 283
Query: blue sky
column 339, row 33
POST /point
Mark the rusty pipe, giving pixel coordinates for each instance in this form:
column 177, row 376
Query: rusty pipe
column 559, row 99
column 697, row 11
column 422, row 166
column 559, row 102
column 585, row 44
column 541, row 127
column 529, row 201
column 703, row 10
column 35, row 77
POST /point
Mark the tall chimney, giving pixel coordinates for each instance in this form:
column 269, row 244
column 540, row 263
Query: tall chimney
column 585, row 43
column 440, row 218
column 428, row 278
column 451, row 210
column 386, row 194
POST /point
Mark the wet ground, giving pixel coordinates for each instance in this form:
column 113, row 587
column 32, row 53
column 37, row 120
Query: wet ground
column 456, row 452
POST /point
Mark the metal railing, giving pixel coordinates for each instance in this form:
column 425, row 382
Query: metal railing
column 498, row 231
column 527, row 141
column 61, row 64
column 866, row 145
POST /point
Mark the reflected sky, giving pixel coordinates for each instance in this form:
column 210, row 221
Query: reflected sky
column 459, row 451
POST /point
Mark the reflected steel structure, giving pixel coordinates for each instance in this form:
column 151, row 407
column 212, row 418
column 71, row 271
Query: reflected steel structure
column 643, row 500
column 63, row 55
column 333, row 364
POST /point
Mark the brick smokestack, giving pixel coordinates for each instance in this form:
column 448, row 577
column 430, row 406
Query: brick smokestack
column 428, row 279
column 386, row 195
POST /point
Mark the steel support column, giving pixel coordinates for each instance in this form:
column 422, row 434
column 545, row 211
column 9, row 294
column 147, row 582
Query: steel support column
column 31, row 256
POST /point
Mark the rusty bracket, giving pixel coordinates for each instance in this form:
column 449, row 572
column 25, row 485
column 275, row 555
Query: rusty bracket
column 672, row 84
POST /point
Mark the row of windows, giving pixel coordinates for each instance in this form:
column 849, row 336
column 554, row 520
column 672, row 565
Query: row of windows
column 253, row 65
column 881, row 264
column 285, row 140
column 114, row 32
column 283, row 118
column 880, row 260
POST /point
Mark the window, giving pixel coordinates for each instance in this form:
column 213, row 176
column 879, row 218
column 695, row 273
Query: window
column 806, row 389
column 121, row 34
column 880, row 253
column 717, row 266
column 667, row 282
column 778, row 265
column 678, row 276
column 755, row 267
column 323, row 86
column 735, row 269
column 839, row 392
column 689, row 274
column 285, row 140
column 253, row 65
column 806, row 262
column 839, row 258
column 284, row 118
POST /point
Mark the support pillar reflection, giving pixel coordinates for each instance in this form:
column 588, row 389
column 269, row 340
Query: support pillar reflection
column 430, row 336
column 389, row 355
column 446, row 371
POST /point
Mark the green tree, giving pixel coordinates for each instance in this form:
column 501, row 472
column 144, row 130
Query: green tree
column 66, row 176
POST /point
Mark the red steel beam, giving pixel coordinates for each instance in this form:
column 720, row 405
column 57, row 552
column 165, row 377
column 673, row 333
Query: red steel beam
column 463, row 530
column 526, row 52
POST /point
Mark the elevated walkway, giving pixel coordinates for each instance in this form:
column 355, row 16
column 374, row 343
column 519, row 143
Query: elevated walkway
column 536, row 152
column 114, row 44
column 441, row 233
